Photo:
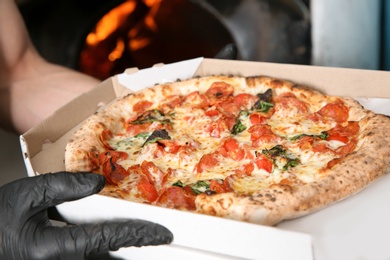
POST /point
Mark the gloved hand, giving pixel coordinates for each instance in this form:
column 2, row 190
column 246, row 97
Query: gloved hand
column 27, row 233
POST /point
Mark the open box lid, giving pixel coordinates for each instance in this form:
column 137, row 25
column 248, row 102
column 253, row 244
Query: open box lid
column 43, row 149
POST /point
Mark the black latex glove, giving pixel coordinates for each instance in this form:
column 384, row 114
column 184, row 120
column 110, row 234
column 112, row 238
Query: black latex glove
column 27, row 233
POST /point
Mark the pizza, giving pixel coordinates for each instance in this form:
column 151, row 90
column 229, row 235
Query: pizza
column 255, row 149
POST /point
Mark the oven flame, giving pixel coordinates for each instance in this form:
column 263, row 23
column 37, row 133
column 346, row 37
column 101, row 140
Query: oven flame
column 125, row 28
column 110, row 22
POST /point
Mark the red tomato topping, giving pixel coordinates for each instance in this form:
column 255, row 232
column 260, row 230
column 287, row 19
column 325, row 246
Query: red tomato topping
column 170, row 146
column 256, row 118
column 171, row 102
column 348, row 148
column 261, row 134
column 231, row 144
column 113, row 172
column 264, row 163
column 224, row 123
column 233, row 150
column 112, row 155
column 218, row 92
column 104, row 137
column 147, row 189
column 212, row 112
column 229, row 108
column 306, row 142
column 244, row 100
column 206, row 162
column 176, row 197
column 218, row 187
column 258, row 131
column 148, row 168
column 333, row 163
column 337, row 137
column 343, row 133
column 246, row 170
column 349, row 130
column 321, row 148
column 338, row 112
column 133, row 130
column 196, row 100
column 142, row 106
column 289, row 100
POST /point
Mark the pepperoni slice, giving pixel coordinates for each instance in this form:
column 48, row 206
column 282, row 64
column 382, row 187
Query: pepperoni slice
column 142, row 106
column 206, row 162
column 177, row 197
column 338, row 112
column 218, row 92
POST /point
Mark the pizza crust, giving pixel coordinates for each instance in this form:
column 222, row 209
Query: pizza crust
column 273, row 204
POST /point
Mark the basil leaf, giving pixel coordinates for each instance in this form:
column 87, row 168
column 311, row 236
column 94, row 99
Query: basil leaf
column 238, row 127
column 290, row 163
column 264, row 106
column 200, row 186
column 142, row 135
column 178, row 184
column 148, row 117
column 274, row 151
column 157, row 135
column 324, row 135
column 264, row 103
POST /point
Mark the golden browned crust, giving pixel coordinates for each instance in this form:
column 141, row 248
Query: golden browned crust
column 370, row 161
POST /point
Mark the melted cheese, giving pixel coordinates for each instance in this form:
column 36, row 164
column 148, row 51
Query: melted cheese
column 190, row 126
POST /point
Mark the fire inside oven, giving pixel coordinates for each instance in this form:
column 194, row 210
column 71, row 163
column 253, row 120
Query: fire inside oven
column 102, row 38
column 143, row 33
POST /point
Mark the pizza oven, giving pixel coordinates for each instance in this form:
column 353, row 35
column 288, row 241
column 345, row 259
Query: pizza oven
column 102, row 37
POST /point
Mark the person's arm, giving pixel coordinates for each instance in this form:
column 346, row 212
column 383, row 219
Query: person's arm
column 31, row 88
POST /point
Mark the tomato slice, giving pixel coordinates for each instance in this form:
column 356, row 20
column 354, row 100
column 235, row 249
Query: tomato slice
column 112, row 155
column 212, row 112
column 348, row 148
column 147, row 189
column 289, row 101
column 217, row 187
column 195, row 99
column 337, row 137
column 104, row 137
column 171, row 102
column 352, row 128
column 113, row 172
column 256, row 118
column 206, row 162
column 245, row 100
column 218, row 92
column 233, row 150
column 261, row 134
column 142, row 106
column 133, row 130
column 338, row 112
column 264, row 163
column 231, row 144
column 176, row 197
column 227, row 107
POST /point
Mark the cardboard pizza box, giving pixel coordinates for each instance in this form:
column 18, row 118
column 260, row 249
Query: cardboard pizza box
column 343, row 230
